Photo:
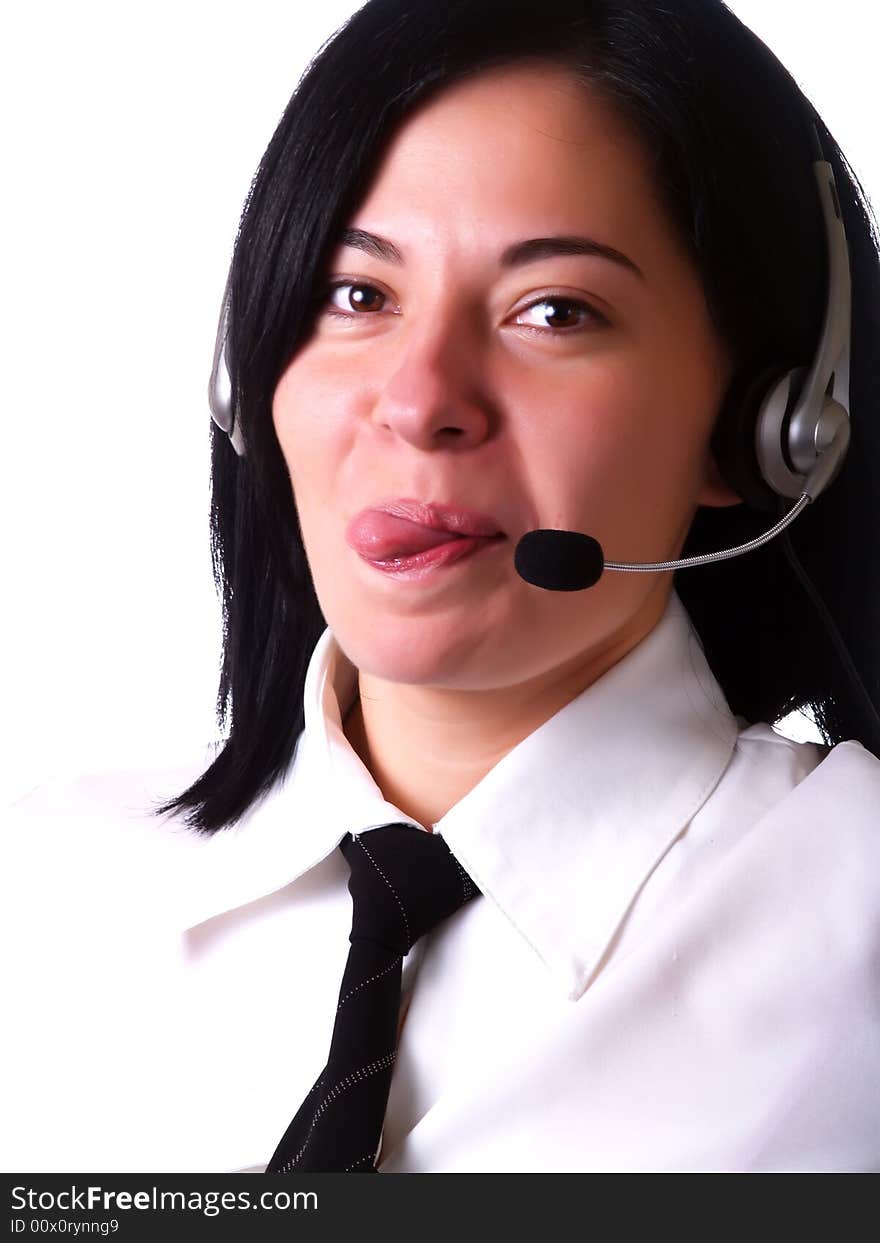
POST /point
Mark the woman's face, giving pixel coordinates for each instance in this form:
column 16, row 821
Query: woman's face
column 566, row 390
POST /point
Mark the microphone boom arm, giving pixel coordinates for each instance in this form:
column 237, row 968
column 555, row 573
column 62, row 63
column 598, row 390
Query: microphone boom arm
column 709, row 557
column 824, row 470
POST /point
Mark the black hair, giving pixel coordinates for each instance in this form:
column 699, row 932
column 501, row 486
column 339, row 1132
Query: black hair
column 724, row 123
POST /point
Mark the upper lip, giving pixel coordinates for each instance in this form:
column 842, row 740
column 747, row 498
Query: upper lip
column 439, row 516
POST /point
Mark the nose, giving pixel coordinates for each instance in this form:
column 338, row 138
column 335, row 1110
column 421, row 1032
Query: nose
column 432, row 395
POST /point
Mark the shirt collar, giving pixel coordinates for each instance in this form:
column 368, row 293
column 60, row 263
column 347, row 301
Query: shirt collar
column 560, row 834
column 565, row 830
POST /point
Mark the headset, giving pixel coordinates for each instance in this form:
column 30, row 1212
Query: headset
column 780, row 435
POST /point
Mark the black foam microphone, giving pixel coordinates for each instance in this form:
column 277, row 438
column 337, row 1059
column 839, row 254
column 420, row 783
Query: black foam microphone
column 559, row 560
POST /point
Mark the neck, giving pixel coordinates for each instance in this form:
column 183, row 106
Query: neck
column 426, row 747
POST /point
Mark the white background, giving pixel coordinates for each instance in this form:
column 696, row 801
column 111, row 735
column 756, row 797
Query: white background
column 131, row 133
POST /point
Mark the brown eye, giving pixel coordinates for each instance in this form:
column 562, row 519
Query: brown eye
column 566, row 314
column 354, row 298
column 554, row 314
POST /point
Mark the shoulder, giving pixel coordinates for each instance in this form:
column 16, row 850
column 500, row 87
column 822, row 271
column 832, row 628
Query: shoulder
column 94, row 839
column 790, row 839
column 97, row 847
column 773, row 778
column 122, row 798
column 841, row 780
column 853, row 772
column 804, row 823
column 822, row 795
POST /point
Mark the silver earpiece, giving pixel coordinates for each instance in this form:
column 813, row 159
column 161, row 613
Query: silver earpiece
column 220, row 398
column 819, row 419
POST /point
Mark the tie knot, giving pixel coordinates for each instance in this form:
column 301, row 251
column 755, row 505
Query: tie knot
column 403, row 882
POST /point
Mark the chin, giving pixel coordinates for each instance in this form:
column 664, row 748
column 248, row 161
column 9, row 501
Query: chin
column 415, row 652
column 394, row 655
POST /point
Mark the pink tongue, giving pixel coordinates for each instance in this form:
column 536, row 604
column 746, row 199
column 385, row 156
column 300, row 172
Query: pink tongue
column 388, row 536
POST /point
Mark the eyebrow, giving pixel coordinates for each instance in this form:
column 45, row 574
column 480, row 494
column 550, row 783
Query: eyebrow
column 514, row 256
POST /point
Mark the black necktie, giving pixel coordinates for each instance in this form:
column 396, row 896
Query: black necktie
column 403, row 882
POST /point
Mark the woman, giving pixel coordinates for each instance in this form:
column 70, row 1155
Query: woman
column 669, row 967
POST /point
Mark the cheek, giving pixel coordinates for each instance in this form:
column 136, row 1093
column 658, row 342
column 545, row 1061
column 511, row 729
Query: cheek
column 598, row 434
column 622, row 446
column 309, row 428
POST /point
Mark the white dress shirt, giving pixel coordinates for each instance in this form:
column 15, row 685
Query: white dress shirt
column 672, row 966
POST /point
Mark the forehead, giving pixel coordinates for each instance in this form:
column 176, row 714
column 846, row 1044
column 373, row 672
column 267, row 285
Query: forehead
column 510, row 149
